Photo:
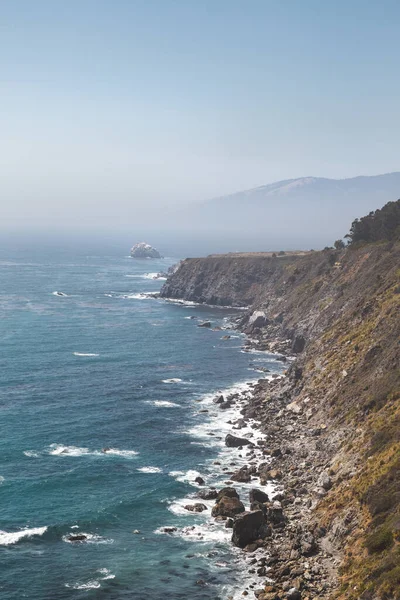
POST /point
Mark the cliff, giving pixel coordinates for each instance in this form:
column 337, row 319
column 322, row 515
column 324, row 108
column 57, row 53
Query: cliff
column 339, row 310
column 227, row 279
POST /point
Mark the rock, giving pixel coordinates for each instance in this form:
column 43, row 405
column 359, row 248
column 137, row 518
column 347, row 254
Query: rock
column 198, row 507
column 227, row 507
column 325, row 481
column 229, row 523
column 169, row 529
column 218, row 399
column 226, row 337
column 268, row 475
column 294, row 408
column 210, row 494
column 308, row 545
column 293, row 594
column 257, row 320
column 298, row 344
column 274, row 515
column 199, row 481
column 242, row 475
column 230, row 492
column 256, row 495
column 235, row 442
column 204, row 324
column 143, row 250
column 79, row 537
column 248, row 527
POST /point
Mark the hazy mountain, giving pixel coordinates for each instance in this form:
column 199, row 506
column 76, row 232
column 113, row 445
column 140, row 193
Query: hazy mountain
column 304, row 212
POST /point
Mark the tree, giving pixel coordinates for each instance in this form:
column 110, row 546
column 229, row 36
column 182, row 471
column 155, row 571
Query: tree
column 383, row 224
column 339, row 244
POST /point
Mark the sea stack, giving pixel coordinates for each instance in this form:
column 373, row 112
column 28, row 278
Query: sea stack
column 143, row 250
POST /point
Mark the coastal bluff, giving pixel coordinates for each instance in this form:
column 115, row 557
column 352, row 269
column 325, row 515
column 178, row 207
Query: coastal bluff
column 236, row 279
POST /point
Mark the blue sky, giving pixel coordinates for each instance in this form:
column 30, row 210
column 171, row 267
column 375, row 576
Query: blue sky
column 130, row 104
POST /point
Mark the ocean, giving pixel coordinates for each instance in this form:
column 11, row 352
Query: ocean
column 106, row 421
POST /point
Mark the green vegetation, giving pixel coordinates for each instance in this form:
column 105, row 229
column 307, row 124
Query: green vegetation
column 382, row 224
column 379, row 540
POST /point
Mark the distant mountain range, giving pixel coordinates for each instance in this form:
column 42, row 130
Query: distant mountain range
column 303, row 212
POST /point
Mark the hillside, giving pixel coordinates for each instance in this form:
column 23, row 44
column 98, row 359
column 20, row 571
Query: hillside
column 339, row 311
column 311, row 211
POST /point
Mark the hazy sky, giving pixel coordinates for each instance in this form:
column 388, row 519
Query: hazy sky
column 112, row 105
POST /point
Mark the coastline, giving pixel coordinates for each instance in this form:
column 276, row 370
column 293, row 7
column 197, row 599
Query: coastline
column 287, row 462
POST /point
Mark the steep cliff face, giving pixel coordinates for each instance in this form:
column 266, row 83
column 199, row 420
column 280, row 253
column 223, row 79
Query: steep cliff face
column 226, row 279
column 340, row 311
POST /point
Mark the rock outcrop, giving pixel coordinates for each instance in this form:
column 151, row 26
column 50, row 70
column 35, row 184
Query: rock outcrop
column 143, row 250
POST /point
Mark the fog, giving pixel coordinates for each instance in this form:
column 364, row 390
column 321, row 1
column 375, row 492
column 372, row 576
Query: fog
column 120, row 123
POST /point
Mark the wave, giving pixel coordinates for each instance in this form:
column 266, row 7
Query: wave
column 31, row 453
column 2, row 479
column 149, row 470
column 85, row 354
column 173, row 380
column 123, row 453
column 137, row 296
column 186, row 476
column 163, row 403
column 192, row 303
column 12, row 537
column 61, row 450
column 209, row 532
column 90, row 585
column 107, row 574
column 90, row 538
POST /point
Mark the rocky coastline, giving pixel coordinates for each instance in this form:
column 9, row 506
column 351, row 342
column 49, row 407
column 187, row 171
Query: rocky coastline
column 286, row 550
column 330, row 427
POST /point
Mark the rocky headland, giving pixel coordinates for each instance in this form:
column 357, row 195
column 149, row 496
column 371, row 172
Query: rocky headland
column 330, row 427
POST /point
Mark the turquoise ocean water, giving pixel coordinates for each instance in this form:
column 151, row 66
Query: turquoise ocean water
column 104, row 366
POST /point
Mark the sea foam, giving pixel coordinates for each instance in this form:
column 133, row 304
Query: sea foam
column 12, row 537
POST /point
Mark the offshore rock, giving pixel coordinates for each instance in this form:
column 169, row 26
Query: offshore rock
column 143, row 250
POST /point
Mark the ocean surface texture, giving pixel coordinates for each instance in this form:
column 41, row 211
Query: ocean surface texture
column 90, row 363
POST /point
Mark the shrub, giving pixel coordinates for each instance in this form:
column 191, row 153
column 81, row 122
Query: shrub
column 379, row 540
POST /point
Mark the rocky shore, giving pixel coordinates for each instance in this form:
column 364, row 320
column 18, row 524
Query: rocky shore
column 285, row 547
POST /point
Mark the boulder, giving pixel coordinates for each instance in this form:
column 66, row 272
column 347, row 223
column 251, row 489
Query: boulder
column 210, row 494
column 298, row 344
column 199, row 481
column 257, row 320
column 256, row 495
column 143, row 250
column 204, row 324
column 218, row 399
column 274, row 515
column 198, row 507
column 230, row 492
column 234, row 442
column 79, row 537
column 325, row 481
column 294, row 408
column 269, row 475
column 248, row 527
column 242, row 475
column 227, row 507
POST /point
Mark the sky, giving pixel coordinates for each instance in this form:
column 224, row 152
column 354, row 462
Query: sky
column 112, row 110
